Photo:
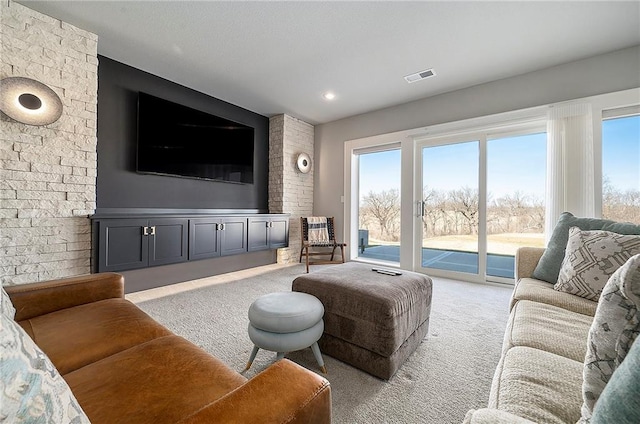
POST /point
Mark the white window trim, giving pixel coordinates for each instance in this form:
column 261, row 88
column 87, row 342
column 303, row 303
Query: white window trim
column 600, row 105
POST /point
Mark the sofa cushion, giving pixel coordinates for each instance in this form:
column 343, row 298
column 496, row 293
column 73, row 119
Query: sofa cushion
column 549, row 265
column 32, row 389
column 614, row 329
column 539, row 386
column 6, row 307
column 541, row 291
column 493, row 416
column 75, row 337
column 169, row 376
column 548, row 328
column 590, row 259
column 620, row 400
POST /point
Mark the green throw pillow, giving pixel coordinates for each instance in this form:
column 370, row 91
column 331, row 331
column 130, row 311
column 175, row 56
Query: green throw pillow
column 549, row 265
column 620, row 400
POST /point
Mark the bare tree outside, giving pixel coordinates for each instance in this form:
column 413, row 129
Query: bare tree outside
column 380, row 213
column 620, row 205
column 453, row 212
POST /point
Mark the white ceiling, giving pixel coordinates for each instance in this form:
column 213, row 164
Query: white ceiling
column 280, row 57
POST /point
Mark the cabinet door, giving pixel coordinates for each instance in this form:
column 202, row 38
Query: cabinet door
column 122, row 245
column 233, row 236
column 168, row 241
column 258, row 234
column 204, row 239
column 279, row 233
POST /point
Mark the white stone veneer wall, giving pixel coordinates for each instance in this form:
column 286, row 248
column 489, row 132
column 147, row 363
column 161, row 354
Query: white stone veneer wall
column 290, row 191
column 48, row 173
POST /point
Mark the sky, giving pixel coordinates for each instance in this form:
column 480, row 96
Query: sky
column 621, row 152
column 513, row 163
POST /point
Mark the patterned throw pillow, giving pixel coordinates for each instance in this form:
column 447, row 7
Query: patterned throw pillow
column 591, row 258
column 6, row 307
column 613, row 331
column 32, row 390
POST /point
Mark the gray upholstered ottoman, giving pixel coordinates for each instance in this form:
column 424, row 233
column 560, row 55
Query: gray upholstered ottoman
column 371, row 321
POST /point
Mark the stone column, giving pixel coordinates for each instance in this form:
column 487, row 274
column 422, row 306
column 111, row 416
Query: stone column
column 48, row 173
column 290, row 191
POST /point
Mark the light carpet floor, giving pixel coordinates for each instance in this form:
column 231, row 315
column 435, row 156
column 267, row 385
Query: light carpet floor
column 448, row 374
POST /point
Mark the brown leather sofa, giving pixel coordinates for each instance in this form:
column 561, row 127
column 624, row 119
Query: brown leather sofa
column 124, row 367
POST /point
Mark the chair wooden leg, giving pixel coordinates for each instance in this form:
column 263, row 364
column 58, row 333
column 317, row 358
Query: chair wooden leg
column 342, row 251
column 333, row 251
column 307, row 257
column 301, row 250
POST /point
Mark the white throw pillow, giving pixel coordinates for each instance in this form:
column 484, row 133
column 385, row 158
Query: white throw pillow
column 31, row 388
column 6, row 307
column 591, row 258
column 613, row 331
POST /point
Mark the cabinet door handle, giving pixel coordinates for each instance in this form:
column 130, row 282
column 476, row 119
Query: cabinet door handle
column 153, row 231
column 145, row 231
column 221, row 227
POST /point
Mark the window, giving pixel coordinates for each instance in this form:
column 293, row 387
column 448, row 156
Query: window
column 379, row 206
column 621, row 168
column 516, row 175
column 468, row 194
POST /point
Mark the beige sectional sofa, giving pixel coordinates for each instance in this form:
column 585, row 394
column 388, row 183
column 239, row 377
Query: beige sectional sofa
column 539, row 375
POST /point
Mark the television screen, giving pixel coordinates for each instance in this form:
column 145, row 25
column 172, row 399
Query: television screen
column 180, row 141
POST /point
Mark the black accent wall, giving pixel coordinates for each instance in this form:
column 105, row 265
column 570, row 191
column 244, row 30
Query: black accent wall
column 118, row 184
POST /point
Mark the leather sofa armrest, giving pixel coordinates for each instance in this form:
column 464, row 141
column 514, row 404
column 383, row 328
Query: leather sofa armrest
column 493, row 416
column 283, row 393
column 35, row 299
column 526, row 260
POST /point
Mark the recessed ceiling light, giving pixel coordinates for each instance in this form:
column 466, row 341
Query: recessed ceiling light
column 329, row 96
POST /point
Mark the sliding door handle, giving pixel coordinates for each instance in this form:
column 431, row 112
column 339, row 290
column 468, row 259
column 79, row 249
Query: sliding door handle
column 419, row 208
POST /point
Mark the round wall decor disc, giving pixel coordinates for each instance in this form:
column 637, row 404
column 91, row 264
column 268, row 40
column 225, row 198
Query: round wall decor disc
column 304, row 163
column 29, row 101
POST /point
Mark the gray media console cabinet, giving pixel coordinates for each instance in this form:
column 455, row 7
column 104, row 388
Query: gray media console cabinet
column 135, row 241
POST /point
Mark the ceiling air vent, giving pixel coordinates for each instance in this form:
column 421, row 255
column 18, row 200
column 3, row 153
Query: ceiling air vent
column 419, row 76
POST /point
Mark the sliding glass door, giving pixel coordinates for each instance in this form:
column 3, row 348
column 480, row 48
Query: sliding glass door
column 481, row 198
column 449, row 209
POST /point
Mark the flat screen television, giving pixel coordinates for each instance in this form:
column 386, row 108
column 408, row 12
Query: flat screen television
column 177, row 140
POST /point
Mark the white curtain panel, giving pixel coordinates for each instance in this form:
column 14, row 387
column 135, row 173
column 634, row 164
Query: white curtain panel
column 570, row 163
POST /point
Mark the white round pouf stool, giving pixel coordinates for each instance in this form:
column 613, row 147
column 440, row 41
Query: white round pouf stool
column 284, row 322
